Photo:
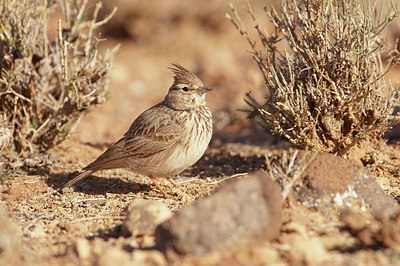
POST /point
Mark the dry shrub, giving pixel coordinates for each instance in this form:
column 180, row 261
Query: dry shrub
column 326, row 92
column 45, row 87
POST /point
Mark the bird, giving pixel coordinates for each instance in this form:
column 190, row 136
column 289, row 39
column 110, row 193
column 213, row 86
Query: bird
column 165, row 139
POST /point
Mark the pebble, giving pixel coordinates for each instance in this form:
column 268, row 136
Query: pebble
column 114, row 256
column 82, row 248
column 144, row 216
column 148, row 257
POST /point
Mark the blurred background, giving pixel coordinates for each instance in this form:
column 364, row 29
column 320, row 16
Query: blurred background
column 152, row 35
column 195, row 34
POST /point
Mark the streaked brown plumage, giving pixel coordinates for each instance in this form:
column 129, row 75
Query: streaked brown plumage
column 165, row 139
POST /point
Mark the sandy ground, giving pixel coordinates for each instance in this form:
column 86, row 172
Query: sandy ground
column 53, row 229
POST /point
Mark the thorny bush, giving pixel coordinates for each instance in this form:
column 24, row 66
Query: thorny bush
column 45, row 86
column 327, row 91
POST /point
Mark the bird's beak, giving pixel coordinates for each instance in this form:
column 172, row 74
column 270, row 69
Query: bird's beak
column 206, row 89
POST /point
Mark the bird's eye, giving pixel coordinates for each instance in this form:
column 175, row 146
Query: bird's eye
column 185, row 88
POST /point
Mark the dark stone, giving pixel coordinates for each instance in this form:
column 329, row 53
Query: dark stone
column 240, row 212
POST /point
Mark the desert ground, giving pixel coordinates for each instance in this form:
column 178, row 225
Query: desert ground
column 85, row 225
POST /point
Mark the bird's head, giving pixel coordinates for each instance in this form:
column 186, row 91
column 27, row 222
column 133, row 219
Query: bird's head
column 187, row 91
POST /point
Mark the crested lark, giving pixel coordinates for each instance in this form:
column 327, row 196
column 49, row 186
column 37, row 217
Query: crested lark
column 166, row 138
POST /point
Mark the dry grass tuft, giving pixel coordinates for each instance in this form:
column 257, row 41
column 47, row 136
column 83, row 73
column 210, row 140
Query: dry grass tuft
column 326, row 91
column 46, row 86
column 287, row 168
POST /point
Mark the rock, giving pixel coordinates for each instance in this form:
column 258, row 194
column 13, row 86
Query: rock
column 143, row 217
column 6, row 137
column 11, row 251
column 114, row 256
column 240, row 212
column 148, row 257
column 82, row 248
column 331, row 183
column 35, row 231
column 394, row 132
column 378, row 229
column 304, row 249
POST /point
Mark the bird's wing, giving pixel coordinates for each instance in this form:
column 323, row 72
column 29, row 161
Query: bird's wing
column 153, row 131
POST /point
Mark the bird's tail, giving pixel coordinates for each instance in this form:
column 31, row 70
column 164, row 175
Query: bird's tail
column 78, row 178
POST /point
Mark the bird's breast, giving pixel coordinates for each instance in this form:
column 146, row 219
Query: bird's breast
column 188, row 150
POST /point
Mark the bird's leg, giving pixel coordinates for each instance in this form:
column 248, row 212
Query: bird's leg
column 158, row 187
column 172, row 182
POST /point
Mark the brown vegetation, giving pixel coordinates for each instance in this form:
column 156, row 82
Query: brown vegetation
column 45, row 85
column 327, row 92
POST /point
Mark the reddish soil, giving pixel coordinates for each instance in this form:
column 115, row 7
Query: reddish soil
column 57, row 229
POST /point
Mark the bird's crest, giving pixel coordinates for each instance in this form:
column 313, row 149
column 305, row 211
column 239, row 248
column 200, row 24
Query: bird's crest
column 184, row 76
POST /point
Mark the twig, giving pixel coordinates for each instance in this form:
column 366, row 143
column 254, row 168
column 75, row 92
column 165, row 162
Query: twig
column 214, row 182
column 98, row 218
column 52, row 192
column 91, row 199
column 226, row 178
column 106, row 19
